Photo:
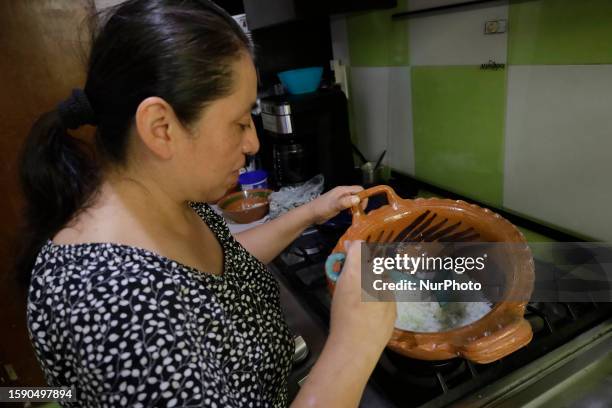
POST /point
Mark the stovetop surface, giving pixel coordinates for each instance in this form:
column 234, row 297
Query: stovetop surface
column 406, row 382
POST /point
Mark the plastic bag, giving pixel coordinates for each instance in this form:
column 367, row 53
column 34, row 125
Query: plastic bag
column 288, row 198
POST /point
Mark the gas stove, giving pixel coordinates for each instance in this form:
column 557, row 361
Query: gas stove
column 398, row 381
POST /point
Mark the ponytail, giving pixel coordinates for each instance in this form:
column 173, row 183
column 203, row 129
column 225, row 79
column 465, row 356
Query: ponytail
column 57, row 177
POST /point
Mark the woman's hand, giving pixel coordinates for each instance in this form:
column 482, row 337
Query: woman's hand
column 359, row 332
column 366, row 326
column 331, row 203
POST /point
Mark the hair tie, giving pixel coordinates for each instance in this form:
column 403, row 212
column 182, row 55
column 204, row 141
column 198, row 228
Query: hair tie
column 76, row 110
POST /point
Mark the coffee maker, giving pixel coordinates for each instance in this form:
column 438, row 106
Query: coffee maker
column 304, row 135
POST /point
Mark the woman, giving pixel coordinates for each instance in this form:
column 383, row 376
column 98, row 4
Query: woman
column 139, row 294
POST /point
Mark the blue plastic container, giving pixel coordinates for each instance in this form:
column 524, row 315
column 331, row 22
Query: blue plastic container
column 303, row 80
column 253, row 179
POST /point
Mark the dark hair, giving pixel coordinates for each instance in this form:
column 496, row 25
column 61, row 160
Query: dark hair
column 181, row 51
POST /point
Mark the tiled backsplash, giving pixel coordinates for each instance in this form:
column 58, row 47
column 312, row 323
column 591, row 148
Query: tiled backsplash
column 463, row 107
column 533, row 138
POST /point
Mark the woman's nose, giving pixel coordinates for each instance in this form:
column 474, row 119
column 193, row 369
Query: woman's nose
column 251, row 143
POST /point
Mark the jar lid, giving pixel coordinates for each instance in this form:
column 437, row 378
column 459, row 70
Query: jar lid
column 252, row 177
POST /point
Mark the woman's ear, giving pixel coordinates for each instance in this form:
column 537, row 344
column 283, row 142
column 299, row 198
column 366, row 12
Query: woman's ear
column 157, row 126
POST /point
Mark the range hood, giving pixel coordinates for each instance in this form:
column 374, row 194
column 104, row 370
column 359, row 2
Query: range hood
column 267, row 13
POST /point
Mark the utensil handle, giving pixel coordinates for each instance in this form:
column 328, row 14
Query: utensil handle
column 392, row 198
column 382, row 156
column 331, row 262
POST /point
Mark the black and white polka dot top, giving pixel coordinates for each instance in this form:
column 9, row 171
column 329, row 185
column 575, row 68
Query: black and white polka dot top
column 130, row 328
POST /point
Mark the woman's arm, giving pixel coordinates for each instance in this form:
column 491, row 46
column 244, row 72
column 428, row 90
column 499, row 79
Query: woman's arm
column 359, row 332
column 266, row 241
column 339, row 376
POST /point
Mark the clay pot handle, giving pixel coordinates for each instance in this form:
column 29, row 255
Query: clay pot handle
column 392, row 198
column 500, row 344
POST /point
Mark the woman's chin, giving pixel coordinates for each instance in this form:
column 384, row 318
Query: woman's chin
column 223, row 191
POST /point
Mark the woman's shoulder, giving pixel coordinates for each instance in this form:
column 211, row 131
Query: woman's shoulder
column 96, row 262
column 205, row 212
column 97, row 270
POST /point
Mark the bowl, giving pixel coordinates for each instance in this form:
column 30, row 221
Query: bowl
column 246, row 206
column 303, row 80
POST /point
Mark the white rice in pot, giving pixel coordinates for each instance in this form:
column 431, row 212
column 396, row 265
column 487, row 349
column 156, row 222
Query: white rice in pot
column 422, row 315
column 430, row 317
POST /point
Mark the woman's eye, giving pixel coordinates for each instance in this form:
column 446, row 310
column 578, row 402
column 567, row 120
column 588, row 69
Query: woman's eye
column 244, row 126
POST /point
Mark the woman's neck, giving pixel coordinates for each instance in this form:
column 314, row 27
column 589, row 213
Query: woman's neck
column 130, row 210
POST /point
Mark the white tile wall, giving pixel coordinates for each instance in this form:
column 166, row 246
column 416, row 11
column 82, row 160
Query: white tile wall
column 400, row 139
column 382, row 113
column 369, row 99
column 558, row 165
column 339, row 37
column 456, row 37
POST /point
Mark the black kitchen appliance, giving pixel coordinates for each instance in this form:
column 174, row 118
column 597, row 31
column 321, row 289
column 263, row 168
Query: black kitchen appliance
column 305, row 135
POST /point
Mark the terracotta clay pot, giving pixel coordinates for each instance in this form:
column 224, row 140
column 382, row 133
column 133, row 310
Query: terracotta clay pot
column 503, row 330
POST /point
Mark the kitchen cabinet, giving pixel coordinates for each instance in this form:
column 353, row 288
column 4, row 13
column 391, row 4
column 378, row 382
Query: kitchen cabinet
column 40, row 61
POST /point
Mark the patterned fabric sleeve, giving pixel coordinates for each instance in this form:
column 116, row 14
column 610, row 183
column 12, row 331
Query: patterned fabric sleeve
column 140, row 339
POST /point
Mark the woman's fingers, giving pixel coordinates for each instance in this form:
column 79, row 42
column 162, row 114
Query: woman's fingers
column 353, row 248
column 351, row 189
column 348, row 201
column 347, row 196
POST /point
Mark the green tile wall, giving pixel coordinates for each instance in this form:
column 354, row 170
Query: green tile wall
column 560, row 32
column 376, row 40
column 458, row 115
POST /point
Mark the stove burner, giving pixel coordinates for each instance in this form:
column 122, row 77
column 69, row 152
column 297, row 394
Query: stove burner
column 424, row 366
column 426, row 374
column 311, row 251
column 309, row 248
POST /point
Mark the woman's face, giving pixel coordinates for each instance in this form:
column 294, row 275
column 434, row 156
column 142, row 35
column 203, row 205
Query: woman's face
column 223, row 136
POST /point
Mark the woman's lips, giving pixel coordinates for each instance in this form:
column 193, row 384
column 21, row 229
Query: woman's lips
column 233, row 181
